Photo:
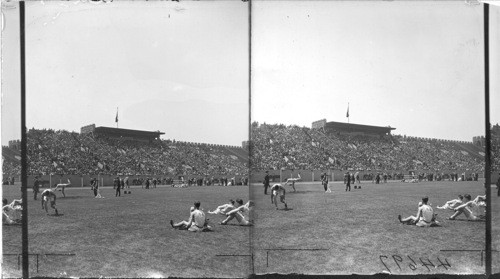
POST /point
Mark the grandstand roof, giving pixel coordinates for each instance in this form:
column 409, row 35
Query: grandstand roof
column 127, row 133
column 357, row 128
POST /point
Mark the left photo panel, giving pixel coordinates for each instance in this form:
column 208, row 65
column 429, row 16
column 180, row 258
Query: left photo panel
column 137, row 119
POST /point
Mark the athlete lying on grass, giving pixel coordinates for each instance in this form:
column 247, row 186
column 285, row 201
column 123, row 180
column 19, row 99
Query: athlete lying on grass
column 223, row 209
column 11, row 212
column 472, row 209
column 242, row 213
column 453, row 203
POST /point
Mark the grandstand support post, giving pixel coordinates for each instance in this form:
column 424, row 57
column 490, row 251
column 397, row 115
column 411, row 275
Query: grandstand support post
column 50, row 181
column 487, row 139
column 281, row 175
column 24, row 157
column 312, row 175
column 82, row 181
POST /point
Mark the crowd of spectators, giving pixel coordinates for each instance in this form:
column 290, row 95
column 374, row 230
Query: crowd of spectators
column 291, row 147
column 63, row 152
column 272, row 147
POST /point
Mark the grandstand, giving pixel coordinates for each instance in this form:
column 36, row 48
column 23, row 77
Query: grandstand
column 274, row 147
column 121, row 134
column 300, row 148
column 356, row 129
column 108, row 152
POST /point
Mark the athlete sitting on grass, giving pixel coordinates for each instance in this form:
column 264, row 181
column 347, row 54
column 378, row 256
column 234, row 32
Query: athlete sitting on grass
column 425, row 216
column 48, row 195
column 242, row 213
column 223, row 209
column 196, row 223
column 472, row 209
column 453, row 203
column 63, row 186
column 11, row 212
column 276, row 190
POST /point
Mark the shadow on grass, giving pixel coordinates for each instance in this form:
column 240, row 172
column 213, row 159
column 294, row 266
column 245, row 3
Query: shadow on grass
column 12, row 225
column 301, row 192
column 55, row 215
column 285, row 209
column 73, row 197
column 467, row 220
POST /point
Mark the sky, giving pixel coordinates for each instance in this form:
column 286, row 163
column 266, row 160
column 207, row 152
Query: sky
column 416, row 66
column 180, row 68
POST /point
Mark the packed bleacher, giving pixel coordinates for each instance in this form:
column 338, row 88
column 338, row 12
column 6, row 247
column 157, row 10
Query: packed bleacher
column 291, row 147
column 273, row 147
column 63, row 152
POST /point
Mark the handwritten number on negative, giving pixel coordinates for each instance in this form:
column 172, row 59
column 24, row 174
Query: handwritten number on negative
column 386, row 267
column 445, row 265
column 397, row 259
column 413, row 265
column 429, row 263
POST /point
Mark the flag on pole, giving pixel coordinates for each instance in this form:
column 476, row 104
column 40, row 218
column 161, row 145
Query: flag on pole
column 116, row 118
column 347, row 115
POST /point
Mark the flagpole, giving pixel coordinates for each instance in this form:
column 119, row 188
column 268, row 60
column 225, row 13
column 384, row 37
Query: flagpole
column 348, row 113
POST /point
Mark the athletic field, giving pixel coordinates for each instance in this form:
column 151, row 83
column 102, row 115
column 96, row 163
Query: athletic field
column 337, row 233
column 358, row 231
column 129, row 236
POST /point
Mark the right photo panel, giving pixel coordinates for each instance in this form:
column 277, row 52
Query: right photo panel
column 367, row 150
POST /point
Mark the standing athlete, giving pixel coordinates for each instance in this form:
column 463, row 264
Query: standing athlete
column 276, row 190
column 47, row 196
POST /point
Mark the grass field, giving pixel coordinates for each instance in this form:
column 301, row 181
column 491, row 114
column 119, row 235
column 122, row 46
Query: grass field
column 129, row 236
column 495, row 230
column 361, row 232
column 342, row 233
